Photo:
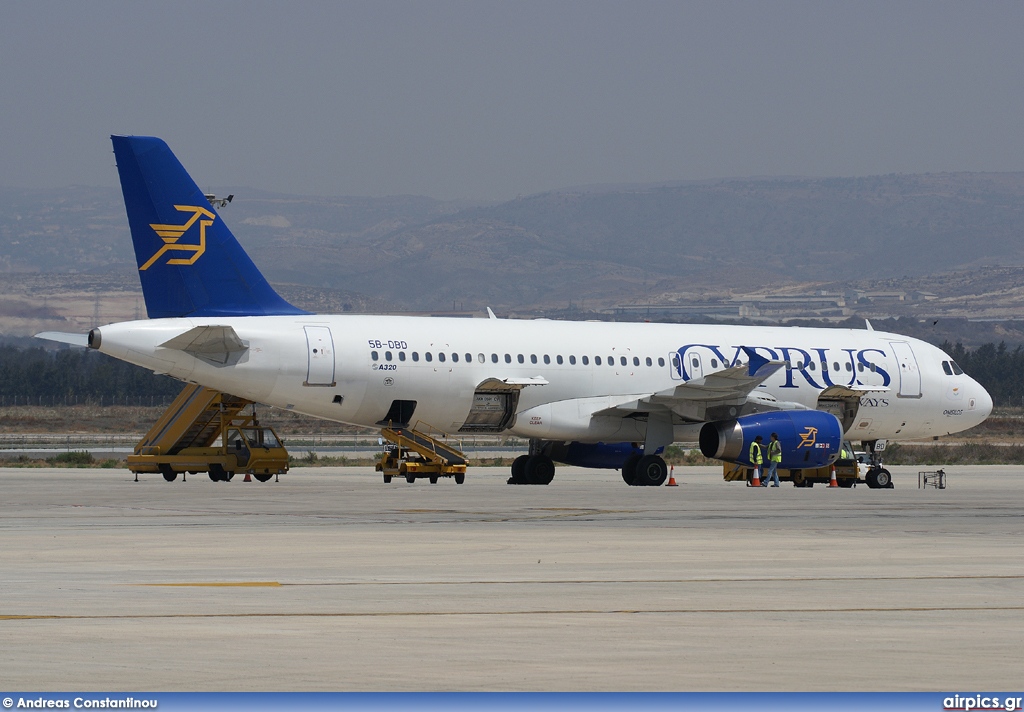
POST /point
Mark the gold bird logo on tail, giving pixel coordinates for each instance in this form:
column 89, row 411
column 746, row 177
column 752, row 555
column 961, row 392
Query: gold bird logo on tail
column 170, row 234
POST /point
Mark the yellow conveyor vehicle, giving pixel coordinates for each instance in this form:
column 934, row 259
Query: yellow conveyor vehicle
column 413, row 454
column 204, row 430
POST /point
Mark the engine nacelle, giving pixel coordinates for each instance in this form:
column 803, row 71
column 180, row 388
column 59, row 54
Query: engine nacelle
column 810, row 438
column 604, row 456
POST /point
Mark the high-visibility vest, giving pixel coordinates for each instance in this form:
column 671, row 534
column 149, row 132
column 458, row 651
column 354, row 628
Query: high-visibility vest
column 775, row 451
column 755, row 454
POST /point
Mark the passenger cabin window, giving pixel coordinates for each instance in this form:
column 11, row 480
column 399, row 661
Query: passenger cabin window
column 661, row 361
column 611, row 360
column 455, row 358
column 586, row 361
column 374, row 355
column 547, row 359
column 428, row 356
column 811, row 365
column 597, row 360
column 849, row 366
column 572, row 360
column 401, row 355
column 714, row 363
column 494, row 358
column 440, row 356
column 558, row 359
column 533, row 358
column 649, row 361
column 387, row 355
column 622, row 360
column 636, row 361
column 508, row 358
column 415, row 355
column 520, row 358
column 946, row 368
column 482, row 359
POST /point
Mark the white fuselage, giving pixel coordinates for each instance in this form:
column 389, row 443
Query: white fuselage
column 353, row 368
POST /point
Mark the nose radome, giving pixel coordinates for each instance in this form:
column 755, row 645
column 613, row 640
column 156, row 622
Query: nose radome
column 984, row 403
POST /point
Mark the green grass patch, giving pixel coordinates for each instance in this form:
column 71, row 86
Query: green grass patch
column 74, row 458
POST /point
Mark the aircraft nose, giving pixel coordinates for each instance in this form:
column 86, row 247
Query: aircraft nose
column 983, row 406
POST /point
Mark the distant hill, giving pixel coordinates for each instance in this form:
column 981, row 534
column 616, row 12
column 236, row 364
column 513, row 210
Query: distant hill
column 595, row 246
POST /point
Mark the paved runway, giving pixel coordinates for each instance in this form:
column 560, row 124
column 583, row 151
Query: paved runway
column 331, row 580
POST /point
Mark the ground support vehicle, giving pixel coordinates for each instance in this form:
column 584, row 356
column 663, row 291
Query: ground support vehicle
column 204, row 430
column 848, row 473
column 412, row 454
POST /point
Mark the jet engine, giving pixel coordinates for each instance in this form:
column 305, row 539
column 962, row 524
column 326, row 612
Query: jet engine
column 809, row 438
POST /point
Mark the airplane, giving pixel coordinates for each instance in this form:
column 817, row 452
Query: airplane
column 591, row 394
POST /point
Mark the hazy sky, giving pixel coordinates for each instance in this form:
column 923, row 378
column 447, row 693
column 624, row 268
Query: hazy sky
column 494, row 99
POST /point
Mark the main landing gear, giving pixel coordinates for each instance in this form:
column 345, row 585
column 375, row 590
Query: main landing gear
column 644, row 471
column 539, row 469
column 532, row 470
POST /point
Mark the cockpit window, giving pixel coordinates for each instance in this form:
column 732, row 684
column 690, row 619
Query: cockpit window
column 946, row 368
column 957, row 371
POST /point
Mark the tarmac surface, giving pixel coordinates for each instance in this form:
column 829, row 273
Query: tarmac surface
column 332, row 580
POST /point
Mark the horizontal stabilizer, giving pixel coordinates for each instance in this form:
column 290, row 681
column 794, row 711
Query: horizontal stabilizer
column 213, row 343
column 64, row 338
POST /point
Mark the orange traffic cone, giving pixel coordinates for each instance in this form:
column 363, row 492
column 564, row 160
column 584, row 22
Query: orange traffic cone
column 672, row 477
column 832, row 478
column 756, row 482
column 247, row 478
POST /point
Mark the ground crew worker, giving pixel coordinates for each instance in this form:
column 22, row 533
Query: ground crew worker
column 755, row 453
column 774, row 458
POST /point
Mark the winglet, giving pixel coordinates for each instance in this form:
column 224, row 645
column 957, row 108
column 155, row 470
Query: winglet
column 490, row 314
column 189, row 262
column 755, row 361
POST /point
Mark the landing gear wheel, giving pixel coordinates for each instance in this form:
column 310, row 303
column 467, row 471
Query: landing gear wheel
column 540, row 470
column 629, row 469
column 519, row 470
column 168, row 472
column 410, row 478
column 387, row 479
column 878, row 478
column 263, row 478
column 651, row 471
column 798, row 479
column 460, row 477
column 433, row 480
column 217, row 473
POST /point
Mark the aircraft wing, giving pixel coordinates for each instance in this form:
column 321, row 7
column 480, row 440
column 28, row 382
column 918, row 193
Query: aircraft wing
column 692, row 399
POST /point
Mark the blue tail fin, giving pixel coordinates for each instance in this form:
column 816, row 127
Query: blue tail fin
column 189, row 262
